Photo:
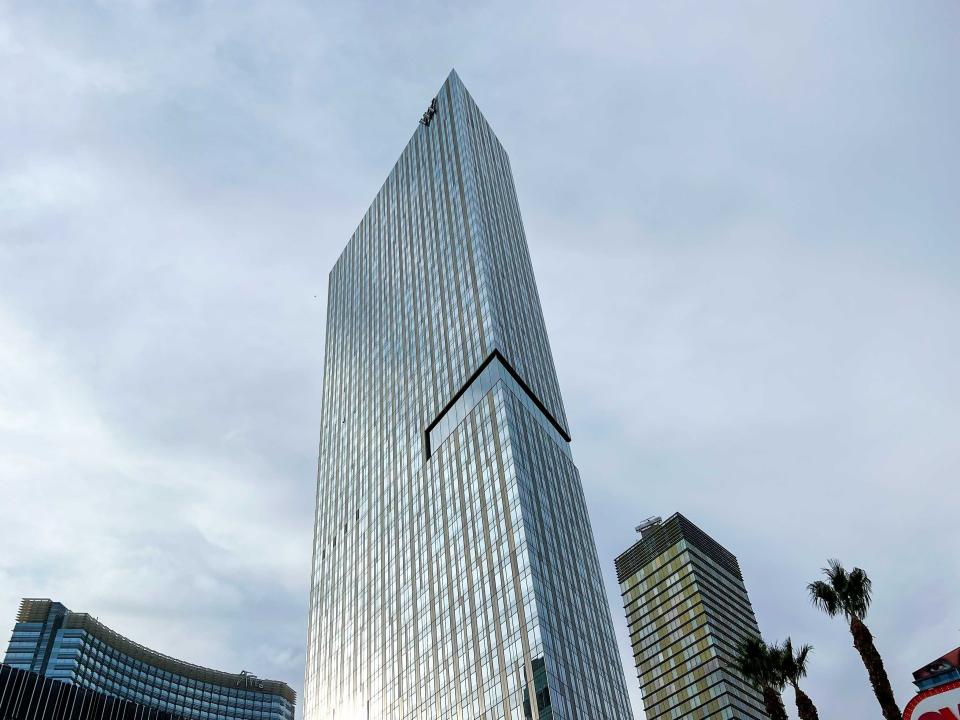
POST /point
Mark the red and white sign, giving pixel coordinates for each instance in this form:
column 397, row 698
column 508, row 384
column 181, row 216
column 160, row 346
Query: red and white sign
column 939, row 703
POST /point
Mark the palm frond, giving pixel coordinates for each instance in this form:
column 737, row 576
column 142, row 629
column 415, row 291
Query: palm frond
column 749, row 661
column 792, row 665
column 759, row 663
column 800, row 660
column 825, row 597
column 781, row 656
column 859, row 590
column 837, row 576
column 778, row 666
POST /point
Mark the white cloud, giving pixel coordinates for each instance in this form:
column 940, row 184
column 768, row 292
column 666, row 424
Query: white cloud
column 118, row 529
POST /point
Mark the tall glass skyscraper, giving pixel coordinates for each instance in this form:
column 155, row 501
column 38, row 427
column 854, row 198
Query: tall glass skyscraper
column 454, row 571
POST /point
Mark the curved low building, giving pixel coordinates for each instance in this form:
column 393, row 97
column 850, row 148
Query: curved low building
column 78, row 649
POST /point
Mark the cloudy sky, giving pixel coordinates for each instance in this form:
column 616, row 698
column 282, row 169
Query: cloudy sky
column 745, row 224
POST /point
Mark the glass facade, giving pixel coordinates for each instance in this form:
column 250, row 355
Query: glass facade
column 687, row 611
column 454, row 570
column 26, row 695
column 77, row 649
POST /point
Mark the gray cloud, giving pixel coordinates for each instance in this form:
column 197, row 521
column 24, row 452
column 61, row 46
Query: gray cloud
column 754, row 205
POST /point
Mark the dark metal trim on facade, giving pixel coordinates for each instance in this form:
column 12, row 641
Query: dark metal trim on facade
column 495, row 355
column 26, row 695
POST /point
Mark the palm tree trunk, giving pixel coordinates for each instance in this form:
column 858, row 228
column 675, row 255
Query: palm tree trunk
column 805, row 707
column 774, row 704
column 863, row 642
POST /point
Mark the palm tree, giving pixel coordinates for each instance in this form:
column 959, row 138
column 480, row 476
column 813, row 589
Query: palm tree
column 793, row 666
column 848, row 594
column 758, row 664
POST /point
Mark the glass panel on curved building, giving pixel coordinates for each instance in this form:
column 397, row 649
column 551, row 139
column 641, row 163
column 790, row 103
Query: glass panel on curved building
column 77, row 649
column 27, row 695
